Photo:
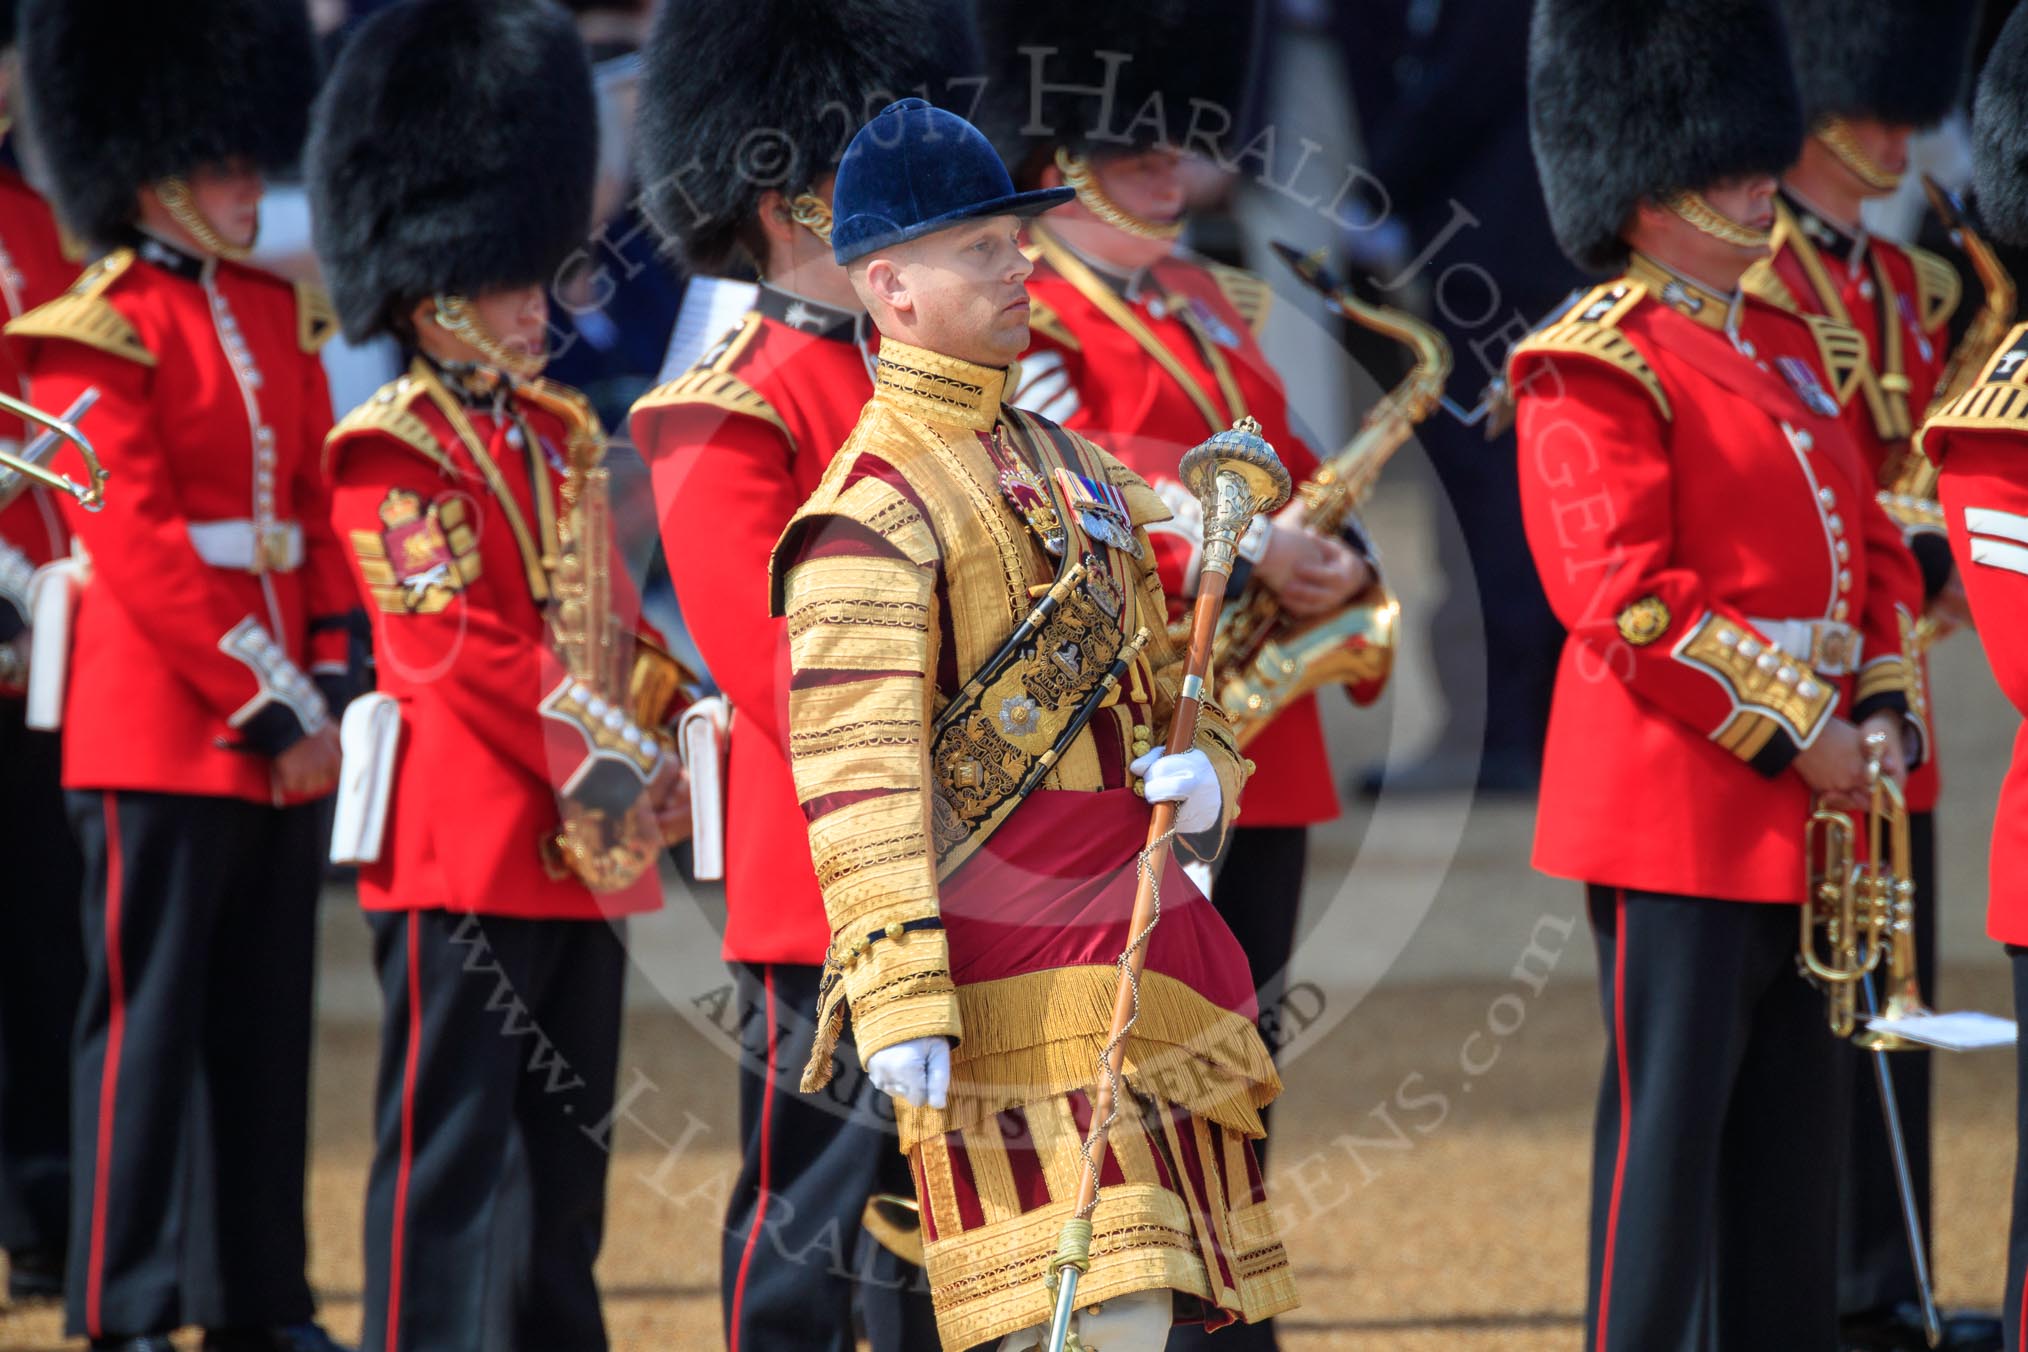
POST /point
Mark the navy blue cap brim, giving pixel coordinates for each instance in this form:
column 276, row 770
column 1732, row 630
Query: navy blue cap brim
column 1022, row 204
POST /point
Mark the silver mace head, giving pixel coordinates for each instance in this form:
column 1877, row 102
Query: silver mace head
column 1235, row 475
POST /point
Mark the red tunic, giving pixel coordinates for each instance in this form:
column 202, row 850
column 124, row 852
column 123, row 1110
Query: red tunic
column 735, row 446
column 1148, row 410
column 1901, row 301
column 1980, row 442
column 1686, row 499
column 33, row 270
column 462, row 643
column 213, row 560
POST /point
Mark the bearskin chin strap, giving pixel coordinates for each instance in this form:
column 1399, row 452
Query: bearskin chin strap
column 1078, row 174
column 1836, row 136
column 811, row 212
column 456, row 316
column 182, row 208
column 1693, row 208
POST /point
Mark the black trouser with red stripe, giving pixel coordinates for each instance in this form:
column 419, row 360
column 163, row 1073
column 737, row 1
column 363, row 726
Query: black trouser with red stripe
column 794, row 1259
column 1875, row 1268
column 1714, row 1202
column 41, row 974
column 2014, row 1310
column 190, row 1116
column 485, row 1209
column 1258, row 891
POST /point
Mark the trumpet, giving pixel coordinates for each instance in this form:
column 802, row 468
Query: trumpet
column 1861, row 912
column 20, row 471
column 1265, row 658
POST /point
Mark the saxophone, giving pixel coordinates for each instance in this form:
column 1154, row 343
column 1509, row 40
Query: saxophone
column 1266, row 658
column 605, row 852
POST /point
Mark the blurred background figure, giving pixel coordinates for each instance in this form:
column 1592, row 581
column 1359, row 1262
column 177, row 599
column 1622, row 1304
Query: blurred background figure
column 41, row 954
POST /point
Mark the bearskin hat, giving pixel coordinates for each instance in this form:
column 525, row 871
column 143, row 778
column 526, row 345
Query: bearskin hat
column 452, row 152
column 1645, row 98
column 1901, row 61
column 2000, row 135
column 743, row 97
column 1168, row 66
column 123, row 93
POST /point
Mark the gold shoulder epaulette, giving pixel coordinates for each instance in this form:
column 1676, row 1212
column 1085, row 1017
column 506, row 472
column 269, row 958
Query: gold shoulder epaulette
column 1938, row 288
column 389, row 412
column 1251, row 296
column 1843, row 351
column 1999, row 399
column 1591, row 329
column 1144, row 504
column 716, row 388
column 1047, row 322
column 84, row 315
column 1763, row 283
column 316, row 318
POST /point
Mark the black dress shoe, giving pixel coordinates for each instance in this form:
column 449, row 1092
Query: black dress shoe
column 1898, row 1328
column 153, row 1342
column 33, row 1275
column 294, row 1338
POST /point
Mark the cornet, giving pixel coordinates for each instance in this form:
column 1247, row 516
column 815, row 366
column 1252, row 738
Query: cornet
column 19, row 471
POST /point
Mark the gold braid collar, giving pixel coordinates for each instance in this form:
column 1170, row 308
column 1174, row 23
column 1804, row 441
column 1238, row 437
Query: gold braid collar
column 937, row 388
column 1692, row 207
column 1083, row 179
column 455, row 315
column 182, row 207
column 1836, row 136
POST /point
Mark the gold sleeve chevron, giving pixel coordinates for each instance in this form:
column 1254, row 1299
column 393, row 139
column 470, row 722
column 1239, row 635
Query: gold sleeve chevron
column 1596, row 340
column 316, row 318
column 84, row 315
column 866, row 624
column 1938, row 289
column 1248, row 294
column 1842, row 350
column 712, row 388
column 1770, row 690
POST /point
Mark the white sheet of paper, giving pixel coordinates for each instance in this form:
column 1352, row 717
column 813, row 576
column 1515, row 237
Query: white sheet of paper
column 1963, row 1031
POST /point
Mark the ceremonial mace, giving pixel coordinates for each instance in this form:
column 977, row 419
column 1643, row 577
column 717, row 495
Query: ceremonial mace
column 1235, row 476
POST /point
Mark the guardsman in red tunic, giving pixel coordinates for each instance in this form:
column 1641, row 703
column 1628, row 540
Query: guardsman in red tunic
column 1980, row 444
column 512, row 754
column 205, row 656
column 41, row 962
column 1871, row 72
column 1148, row 348
column 735, row 445
column 1734, row 595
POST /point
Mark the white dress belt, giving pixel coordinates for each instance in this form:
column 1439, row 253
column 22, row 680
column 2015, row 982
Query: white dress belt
column 245, row 547
column 1831, row 647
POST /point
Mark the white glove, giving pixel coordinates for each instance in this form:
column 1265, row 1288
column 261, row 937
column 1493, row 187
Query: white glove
column 1187, row 780
column 917, row 1071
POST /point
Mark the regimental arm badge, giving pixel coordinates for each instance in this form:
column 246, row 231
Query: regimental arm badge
column 1644, row 621
column 420, row 557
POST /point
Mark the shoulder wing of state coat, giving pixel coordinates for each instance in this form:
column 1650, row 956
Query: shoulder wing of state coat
column 85, row 314
column 1590, row 330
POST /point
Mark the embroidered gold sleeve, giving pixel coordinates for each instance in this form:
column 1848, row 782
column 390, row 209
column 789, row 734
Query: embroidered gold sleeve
column 1771, row 691
column 862, row 650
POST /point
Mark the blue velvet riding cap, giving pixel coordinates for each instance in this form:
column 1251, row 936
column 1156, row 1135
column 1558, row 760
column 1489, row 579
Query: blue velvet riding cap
column 917, row 169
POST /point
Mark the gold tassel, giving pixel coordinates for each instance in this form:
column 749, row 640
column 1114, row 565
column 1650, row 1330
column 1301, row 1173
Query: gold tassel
column 830, row 1027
